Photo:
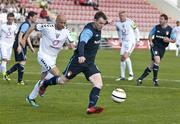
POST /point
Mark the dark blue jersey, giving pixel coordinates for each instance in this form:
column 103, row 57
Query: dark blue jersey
column 160, row 33
column 22, row 28
column 91, row 36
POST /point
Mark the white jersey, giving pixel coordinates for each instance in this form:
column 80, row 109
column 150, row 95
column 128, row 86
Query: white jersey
column 52, row 39
column 126, row 30
column 176, row 30
column 7, row 34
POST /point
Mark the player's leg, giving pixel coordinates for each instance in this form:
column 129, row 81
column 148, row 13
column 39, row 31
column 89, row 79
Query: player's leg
column 122, row 64
column 148, row 69
column 128, row 60
column 156, row 69
column 94, row 76
column 5, row 51
column 19, row 57
column 96, row 80
column 177, row 50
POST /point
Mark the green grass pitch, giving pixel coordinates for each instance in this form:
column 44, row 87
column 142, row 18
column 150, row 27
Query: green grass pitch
column 67, row 104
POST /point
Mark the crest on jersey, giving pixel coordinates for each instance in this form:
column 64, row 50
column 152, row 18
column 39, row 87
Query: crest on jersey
column 57, row 35
column 167, row 32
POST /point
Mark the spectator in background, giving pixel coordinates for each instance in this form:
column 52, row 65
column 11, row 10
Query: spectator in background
column 22, row 10
column 44, row 14
column 176, row 30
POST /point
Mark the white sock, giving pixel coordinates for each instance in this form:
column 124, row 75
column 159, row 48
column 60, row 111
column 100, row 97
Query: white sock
column 129, row 65
column 35, row 91
column 177, row 51
column 123, row 69
column 49, row 76
column 3, row 66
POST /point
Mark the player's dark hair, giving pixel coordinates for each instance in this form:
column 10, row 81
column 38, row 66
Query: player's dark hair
column 10, row 14
column 100, row 14
column 164, row 16
column 31, row 14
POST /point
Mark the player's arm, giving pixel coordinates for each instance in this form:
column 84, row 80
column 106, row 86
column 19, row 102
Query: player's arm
column 84, row 38
column 25, row 38
column 30, row 45
column 23, row 30
column 172, row 38
column 70, row 42
column 118, row 32
column 136, row 31
column 151, row 34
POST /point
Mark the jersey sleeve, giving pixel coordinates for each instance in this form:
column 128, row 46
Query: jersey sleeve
column 86, row 35
column 39, row 27
column 133, row 25
column 152, row 32
column 173, row 35
column 24, row 28
column 69, row 37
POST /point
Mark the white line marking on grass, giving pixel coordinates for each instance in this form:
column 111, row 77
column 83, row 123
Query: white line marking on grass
column 114, row 77
column 115, row 85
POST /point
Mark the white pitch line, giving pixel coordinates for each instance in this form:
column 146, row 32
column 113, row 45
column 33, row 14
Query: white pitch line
column 113, row 77
column 115, row 85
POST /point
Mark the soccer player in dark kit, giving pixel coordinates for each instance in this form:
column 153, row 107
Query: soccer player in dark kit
column 159, row 38
column 83, row 61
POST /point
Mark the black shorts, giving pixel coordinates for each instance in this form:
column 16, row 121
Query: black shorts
column 74, row 68
column 20, row 56
column 157, row 51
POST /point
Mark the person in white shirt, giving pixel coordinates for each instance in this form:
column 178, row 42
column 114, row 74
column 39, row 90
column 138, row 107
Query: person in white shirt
column 176, row 30
column 128, row 35
column 7, row 31
column 53, row 38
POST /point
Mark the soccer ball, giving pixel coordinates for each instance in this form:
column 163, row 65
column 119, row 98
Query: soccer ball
column 118, row 95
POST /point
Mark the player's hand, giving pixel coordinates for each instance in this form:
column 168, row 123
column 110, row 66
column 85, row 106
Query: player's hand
column 19, row 49
column 23, row 42
column 81, row 59
column 33, row 50
column 166, row 39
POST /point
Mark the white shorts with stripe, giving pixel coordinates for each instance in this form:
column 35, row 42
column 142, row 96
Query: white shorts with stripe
column 6, row 52
column 127, row 47
column 47, row 62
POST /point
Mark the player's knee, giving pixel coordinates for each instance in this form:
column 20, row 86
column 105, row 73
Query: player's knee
column 122, row 58
column 98, row 85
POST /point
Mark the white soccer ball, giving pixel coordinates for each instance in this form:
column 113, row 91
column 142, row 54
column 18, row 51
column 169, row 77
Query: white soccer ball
column 118, row 95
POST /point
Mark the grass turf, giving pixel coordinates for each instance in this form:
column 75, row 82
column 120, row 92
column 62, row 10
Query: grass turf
column 67, row 104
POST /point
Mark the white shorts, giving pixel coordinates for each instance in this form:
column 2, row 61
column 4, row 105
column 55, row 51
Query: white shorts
column 46, row 62
column 127, row 47
column 6, row 52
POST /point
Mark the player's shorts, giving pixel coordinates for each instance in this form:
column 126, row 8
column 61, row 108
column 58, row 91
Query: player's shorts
column 47, row 62
column 20, row 56
column 127, row 47
column 157, row 51
column 74, row 68
column 6, row 52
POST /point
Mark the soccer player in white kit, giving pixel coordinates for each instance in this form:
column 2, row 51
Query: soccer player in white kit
column 128, row 34
column 7, row 31
column 176, row 30
column 53, row 38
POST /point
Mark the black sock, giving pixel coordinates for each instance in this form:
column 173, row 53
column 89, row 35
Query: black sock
column 146, row 73
column 12, row 69
column 93, row 96
column 52, row 81
column 20, row 72
column 155, row 71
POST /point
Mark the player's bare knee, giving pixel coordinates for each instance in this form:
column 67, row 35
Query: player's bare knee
column 98, row 85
